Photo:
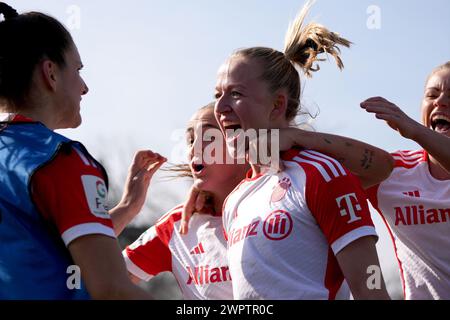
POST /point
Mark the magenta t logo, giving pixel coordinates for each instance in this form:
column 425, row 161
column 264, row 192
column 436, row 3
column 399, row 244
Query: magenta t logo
column 347, row 207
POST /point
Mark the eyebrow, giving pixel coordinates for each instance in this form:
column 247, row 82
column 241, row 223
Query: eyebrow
column 436, row 89
column 239, row 86
column 207, row 126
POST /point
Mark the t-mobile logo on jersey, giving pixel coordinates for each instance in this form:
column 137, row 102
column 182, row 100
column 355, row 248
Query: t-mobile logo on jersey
column 347, row 206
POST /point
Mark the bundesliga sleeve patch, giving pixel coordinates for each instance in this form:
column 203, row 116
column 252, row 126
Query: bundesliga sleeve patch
column 96, row 195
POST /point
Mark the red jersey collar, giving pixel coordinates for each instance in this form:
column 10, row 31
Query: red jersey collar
column 11, row 117
column 21, row 118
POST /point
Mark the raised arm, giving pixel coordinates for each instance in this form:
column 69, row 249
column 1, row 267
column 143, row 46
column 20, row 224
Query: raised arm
column 370, row 164
column 140, row 173
column 436, row 144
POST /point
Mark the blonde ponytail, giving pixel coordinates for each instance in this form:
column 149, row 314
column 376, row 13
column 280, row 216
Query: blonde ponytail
column 303, row 44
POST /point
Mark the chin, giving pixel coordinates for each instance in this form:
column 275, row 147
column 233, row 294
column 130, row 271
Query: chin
column 205, row 185
column 76, row 123
column 200, row 183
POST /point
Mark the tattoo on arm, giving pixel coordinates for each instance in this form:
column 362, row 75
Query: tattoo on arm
column 327, row 141
column 366, row 161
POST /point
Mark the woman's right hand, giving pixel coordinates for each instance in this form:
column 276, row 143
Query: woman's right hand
column 393, row 115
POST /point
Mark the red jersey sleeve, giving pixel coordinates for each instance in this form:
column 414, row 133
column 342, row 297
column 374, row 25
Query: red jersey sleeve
column 70, row 192
column 336, row 200
column 150, row 254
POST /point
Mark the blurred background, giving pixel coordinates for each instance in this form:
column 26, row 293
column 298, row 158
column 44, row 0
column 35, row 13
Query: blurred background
column 151, row 64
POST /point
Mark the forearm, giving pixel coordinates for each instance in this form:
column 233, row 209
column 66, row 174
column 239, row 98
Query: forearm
column 437, row 145
column 123, row 291
column 370, row 164
column 103, row 269
column 121, row 216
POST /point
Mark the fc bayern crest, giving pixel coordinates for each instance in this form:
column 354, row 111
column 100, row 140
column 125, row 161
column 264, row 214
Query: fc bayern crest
column 280, row 190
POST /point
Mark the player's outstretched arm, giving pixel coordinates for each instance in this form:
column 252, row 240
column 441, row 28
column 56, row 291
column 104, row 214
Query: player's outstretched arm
column 103, row 269
column 370, row 164
column 361, row 268
column 140, row 173
column 436, row 144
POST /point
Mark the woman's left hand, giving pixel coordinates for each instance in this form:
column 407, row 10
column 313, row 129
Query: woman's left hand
column 198, row 201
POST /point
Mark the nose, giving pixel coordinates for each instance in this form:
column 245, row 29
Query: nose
column 442, row 100
column 85, row 88
column 222, row 106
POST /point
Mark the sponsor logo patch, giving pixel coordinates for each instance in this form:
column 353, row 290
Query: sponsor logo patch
column 96, row 195
column 278, row 225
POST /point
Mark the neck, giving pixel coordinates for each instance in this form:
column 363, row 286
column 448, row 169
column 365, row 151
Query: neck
column 40, row 115
column 226, row 188
column 436, row 170
column 256, row 169
column 218, row 203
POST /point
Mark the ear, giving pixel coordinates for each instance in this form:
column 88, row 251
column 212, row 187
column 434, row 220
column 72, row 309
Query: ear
column 48, row 71
column 280, row 104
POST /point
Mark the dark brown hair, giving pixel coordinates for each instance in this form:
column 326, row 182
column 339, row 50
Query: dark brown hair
column 25, row 40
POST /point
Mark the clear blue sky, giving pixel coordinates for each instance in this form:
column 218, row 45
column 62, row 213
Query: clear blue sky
column 151, row 64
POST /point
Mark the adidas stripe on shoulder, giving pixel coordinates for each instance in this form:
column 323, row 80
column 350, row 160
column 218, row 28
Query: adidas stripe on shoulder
column 328, row 167
column 174, row 212
column 409, row 159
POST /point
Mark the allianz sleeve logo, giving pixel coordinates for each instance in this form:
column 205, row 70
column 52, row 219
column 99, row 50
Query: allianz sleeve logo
column 96, row 195
column 202, row 275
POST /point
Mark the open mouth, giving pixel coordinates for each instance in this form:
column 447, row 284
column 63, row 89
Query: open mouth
column 232, row 131
column 440, row 123
column 236, row 147
column 232, row 127
column 198, row 168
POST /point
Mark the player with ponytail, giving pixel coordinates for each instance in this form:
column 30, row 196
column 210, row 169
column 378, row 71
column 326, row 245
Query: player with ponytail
column 297, row 232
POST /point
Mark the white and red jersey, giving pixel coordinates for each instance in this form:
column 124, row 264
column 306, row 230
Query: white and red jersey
column 284, row 229
column 197, row 260
column 416, row 209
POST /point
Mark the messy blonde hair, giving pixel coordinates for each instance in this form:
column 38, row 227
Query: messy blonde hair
column 303, row 45
column 445, row 66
